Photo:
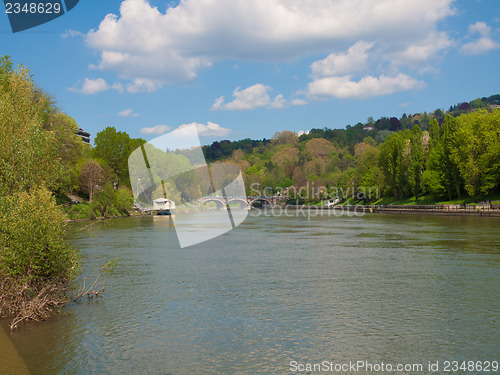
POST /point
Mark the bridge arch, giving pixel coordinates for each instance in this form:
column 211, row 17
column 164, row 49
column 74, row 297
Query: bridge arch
column 242, row 202
column 261, row 202
column 219, row 203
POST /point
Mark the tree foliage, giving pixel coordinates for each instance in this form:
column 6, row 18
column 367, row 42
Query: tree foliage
column 36, row 263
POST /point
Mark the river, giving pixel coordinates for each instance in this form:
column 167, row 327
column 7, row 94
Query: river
column 278, row 291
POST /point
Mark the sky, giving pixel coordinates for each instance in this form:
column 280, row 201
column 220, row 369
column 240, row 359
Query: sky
column 247, row 69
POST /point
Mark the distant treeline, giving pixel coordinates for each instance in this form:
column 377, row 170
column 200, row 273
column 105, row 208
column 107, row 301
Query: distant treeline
column 440, row 156
column 378, row 130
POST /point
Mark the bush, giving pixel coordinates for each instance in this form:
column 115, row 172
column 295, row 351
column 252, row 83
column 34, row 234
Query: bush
column 36, row 263
column 32, row 241
column 111, row 202
column 80, row 211
column 124, row 200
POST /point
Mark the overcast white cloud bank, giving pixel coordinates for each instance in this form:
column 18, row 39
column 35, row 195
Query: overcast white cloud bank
column 481, row 45
column 152, row 48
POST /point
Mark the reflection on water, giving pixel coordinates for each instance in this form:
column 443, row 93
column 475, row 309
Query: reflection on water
column 397, row 289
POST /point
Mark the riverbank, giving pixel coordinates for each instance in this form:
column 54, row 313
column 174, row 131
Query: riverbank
column 445, row 210
column 104, row 217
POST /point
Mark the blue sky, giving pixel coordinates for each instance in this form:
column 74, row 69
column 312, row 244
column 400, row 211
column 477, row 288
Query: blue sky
column 240, row 68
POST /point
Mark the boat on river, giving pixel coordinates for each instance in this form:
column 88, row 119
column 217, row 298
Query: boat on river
column 163, row 206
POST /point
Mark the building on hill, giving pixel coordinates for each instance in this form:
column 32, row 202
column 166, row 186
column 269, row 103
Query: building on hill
column 84, row 135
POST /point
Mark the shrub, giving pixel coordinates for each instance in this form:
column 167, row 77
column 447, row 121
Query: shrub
column 32, row 240
column 36, row 263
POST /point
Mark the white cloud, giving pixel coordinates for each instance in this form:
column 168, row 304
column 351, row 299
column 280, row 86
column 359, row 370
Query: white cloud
column 421, row 51
column 479, row 46
column 279, row 102
column 343, row 63
column 210, row 129
column 146, row 44
column 143, row 85
column 256, row 96
column 368, row 86
column 71, row 33
column 94, row 86
column 127, row 113
column 484, row 44
column 333, row 76
column 157, row 130
column 298, row 102
column 481, row 28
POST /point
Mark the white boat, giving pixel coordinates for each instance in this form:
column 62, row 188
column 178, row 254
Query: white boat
column 163, row 206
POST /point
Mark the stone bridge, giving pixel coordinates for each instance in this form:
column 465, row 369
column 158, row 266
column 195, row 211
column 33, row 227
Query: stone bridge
column 248, row 202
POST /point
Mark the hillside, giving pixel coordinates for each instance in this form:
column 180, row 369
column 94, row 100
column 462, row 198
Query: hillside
column 439, row 155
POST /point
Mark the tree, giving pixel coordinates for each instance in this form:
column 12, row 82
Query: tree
column 286, row 159
column 237, row 155
column 91, row 176
column 114, row 148
column 433, row 133
column 416, row 161
column 36, row 263
column 70, row 148
column 394, row 154
column 383, row 123
column 28, row 154
column 478, row 151
column 319, row 148
column 449, row 166
column 395, row 124
column 285, row 138
column 438, row 115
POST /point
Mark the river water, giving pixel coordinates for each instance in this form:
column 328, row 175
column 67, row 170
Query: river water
column 379, row 288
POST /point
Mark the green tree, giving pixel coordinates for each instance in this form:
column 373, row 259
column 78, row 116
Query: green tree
column 416, row 161
column 394, row 154
column 449, row 167
column 36, row 264
column 28, row 154
column 433, row 133
column 478, row 151
column 70, row 149
column 114, row 147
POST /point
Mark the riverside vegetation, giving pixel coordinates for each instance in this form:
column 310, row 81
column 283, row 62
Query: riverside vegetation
column 42, row 162
column 45, row 168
